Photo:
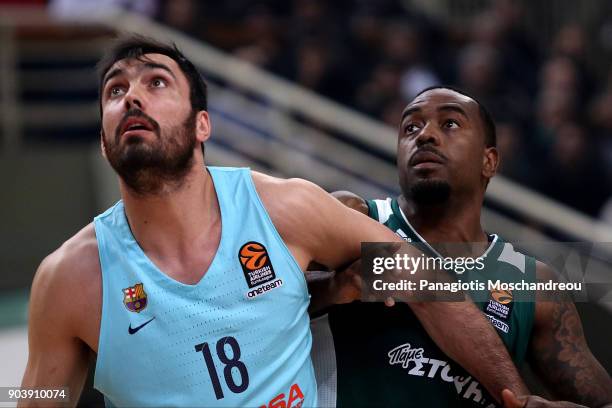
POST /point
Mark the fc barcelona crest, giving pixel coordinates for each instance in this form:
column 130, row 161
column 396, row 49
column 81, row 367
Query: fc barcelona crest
column 135, row 298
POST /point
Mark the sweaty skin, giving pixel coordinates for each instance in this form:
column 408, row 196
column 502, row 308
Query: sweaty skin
column 179, row 228
column 449, row 123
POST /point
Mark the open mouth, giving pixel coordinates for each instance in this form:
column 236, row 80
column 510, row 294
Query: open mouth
column 136, row 124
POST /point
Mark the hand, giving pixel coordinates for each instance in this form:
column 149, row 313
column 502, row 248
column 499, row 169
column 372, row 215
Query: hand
column 511, row 400
column 346, row 284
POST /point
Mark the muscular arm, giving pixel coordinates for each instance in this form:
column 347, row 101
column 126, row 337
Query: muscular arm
column 57, row 355
column 330, row 288
column 560, row 355
column 331, row 234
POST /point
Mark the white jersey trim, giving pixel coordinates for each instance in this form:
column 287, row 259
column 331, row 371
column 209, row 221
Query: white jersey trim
column 384, row 210
column 514, row 258
column 324, row 361
column 484, row 254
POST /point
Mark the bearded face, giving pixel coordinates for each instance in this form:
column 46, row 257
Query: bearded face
column 442, row 148
column 149, row 163
column 149, row 126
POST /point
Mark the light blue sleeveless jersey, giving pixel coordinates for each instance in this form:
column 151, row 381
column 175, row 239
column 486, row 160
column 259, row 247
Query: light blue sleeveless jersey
column 238, row 338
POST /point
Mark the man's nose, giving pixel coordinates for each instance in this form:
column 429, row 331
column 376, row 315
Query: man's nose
column 134, row 99
column 428, row 135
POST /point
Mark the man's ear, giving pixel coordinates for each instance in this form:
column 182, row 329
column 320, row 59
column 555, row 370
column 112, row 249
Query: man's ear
column 102, row 145
column 490, row 162
column 203, row 126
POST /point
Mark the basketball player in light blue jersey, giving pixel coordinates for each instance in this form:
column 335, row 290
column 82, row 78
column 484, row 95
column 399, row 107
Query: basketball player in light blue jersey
column 190, row 289
column 446, row 157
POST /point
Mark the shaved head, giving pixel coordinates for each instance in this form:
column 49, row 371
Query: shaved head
column 487, row 119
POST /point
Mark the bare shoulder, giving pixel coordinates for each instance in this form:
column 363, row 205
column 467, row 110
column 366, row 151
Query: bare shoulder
column 67, row 286
column 73, row 263
column 314, row 225
column 292, row 190
column 291, row 200
column 302, row 212
column 352, row 200
column 543, row 308
column 545, row 273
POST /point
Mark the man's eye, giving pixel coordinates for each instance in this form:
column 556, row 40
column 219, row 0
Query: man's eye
column 451, row 124
column 411, row 128
column 158, row 83
column 116, row 90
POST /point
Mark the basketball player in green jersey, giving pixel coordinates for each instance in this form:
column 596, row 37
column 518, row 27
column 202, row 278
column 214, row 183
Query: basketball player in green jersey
column 383, row 356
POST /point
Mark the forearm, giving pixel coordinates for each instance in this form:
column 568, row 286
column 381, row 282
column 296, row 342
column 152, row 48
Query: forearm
column 69, row 397
column 462, row 332
column 55, row 369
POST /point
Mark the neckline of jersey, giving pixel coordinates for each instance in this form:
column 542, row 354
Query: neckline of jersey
column 161, row 275
column 487, row 251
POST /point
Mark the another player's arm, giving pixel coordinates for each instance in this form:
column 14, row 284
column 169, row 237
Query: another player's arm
column 342, row 286
column 57, row 356
column 319, row 228
column 561, row 356
column 352, row 200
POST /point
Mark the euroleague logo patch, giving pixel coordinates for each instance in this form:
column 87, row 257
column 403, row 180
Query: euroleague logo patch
column 499, row 309
column 502, row 296
column 257, row 268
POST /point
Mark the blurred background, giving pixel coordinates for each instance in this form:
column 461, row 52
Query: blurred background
column 315, row 89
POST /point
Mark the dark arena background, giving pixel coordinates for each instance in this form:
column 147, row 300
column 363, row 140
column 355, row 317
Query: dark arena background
column 315, row 89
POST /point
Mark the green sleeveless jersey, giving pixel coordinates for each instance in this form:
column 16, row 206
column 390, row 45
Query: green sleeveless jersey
column 370, row 355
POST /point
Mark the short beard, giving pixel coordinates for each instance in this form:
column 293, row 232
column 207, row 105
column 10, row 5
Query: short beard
column 157, row 167
column 430, row 192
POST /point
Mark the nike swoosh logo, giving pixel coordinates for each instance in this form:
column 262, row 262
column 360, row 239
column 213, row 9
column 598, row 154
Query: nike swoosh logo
column 135, row 329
